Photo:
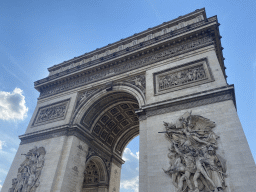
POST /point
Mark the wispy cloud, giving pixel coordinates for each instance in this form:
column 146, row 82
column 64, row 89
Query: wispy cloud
column 128, row 152
column 2, row 143
column 132, row 184
column 0, row 185
column 130, row 171
column 12, row 105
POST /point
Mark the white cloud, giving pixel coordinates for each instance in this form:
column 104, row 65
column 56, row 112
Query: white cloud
column 132, row 184
column 12, row 105
column 128, row 152
column 3, row 171
column 2, row 143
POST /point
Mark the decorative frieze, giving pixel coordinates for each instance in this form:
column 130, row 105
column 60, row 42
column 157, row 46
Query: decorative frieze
column 187, row 75
column 174, row 27
column 50, row 113
column 127, row 66
column 29, row 171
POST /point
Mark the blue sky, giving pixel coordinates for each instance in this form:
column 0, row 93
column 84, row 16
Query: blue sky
column 35, row 35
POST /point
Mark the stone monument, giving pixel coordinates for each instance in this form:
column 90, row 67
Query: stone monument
column 166, row 84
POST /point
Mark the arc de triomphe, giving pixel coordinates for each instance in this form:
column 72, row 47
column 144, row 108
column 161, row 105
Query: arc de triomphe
column 169, row 79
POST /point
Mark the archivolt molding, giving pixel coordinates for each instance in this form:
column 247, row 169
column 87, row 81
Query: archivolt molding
column 124, row 139
column 96, row 94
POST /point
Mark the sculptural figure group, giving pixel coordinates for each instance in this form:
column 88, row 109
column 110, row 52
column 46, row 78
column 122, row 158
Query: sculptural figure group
column 29, row 172
column 194, row 164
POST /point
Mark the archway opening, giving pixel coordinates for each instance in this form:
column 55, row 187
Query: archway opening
column 130, row 169
column 112, row 123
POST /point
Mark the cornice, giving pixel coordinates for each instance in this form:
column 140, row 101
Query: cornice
column 76, row 131
column 189, row 101
column 123, row 55
column 135, row 37
column 167, row 50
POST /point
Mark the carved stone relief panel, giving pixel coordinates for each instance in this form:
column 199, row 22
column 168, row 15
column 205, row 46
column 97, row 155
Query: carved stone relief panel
column 50, row 113
column 194, row 164
column 187, row 75
column 86, row 94
column 29, row 172
column 91, row 174
column 139, row 81
column 104, row 157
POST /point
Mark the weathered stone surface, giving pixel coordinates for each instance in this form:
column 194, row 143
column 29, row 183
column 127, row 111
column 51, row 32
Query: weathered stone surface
column 90, row 108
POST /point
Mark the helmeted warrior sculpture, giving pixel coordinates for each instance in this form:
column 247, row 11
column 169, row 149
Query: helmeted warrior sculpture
column 29, row 172
column 194, row 164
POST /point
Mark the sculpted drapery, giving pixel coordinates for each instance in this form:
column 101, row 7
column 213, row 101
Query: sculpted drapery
column 194, row 164
column 29, row 172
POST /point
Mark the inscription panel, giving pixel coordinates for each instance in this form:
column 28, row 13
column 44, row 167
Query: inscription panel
column 50, row 113
column 187, row 75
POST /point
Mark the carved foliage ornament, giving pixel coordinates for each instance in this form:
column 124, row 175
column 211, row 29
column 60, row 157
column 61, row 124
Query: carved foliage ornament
column 194, row 164
column 29, row 172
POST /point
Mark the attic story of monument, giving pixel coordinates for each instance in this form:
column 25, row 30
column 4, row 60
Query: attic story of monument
column 169, row 79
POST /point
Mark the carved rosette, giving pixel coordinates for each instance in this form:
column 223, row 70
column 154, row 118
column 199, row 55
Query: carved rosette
column 194, row 164
column 29, row 172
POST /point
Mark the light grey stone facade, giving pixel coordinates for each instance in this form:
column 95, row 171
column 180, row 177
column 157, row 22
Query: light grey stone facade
column 91, row 106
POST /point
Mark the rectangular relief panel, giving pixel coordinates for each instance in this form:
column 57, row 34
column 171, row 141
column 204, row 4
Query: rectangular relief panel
column 183, row 76
column 50, row 113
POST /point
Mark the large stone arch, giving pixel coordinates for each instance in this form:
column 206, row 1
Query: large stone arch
column 86, row 109
column 108, row 116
